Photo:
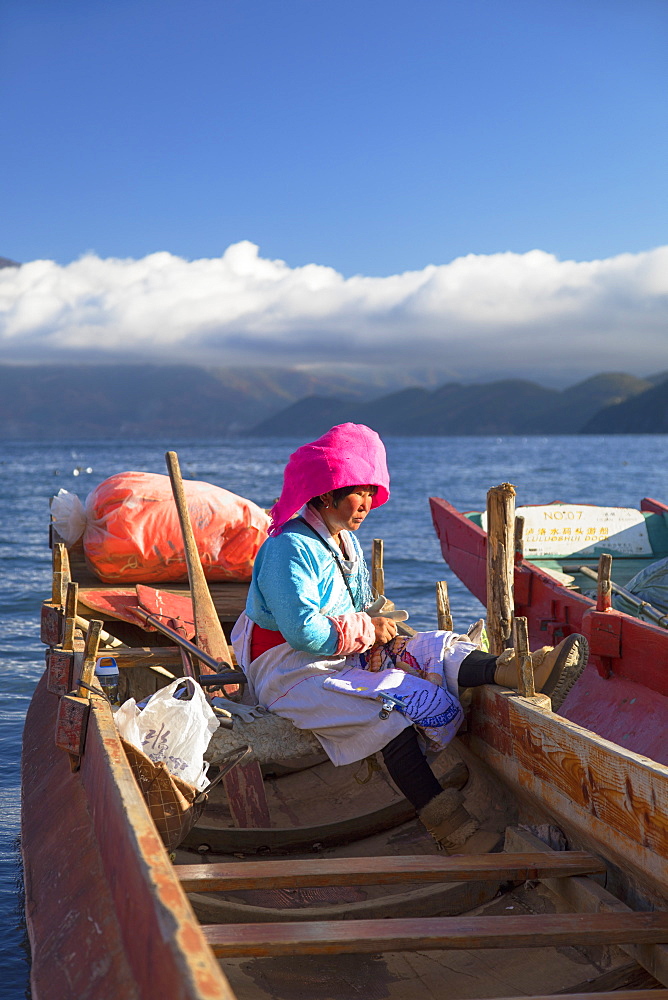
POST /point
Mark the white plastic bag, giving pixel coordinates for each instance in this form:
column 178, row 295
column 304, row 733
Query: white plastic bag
column 69, row 516
column 172, row 730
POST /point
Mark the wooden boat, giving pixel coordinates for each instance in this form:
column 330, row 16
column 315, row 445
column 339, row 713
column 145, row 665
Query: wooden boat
column 623, row 693
column 345, row 878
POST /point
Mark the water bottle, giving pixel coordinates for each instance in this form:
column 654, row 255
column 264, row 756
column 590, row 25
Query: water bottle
column 106, row 671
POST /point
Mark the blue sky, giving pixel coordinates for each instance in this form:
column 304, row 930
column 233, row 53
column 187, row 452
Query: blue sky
column 369, row 137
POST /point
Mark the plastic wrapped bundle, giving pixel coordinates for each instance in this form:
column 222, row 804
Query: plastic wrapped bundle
column 651, row 585
column 131, row 529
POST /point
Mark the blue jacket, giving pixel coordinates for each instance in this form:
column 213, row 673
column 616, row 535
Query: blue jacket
column 296, row 584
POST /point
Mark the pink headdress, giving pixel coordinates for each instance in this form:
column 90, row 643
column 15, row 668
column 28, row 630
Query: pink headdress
column 347, row 455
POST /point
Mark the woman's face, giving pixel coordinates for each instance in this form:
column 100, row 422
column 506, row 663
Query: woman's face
column 351, row 510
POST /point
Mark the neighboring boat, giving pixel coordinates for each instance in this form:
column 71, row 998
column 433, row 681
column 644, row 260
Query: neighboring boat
column 345, row 878
column 623, row 693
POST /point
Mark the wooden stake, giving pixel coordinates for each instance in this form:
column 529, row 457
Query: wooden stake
column 604, row 589
column 58, row 588
column 500, row 551
column 71, row 601
column 243, row 785
column 89, row 657
column 61, row 561
column 527, row 687
column 443, row 614
column 377, row 571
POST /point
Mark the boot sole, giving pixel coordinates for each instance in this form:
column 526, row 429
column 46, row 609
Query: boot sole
column 566, row 671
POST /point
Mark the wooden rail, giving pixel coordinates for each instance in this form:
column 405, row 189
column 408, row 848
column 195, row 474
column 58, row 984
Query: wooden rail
column 383, row 871
column 544, row 930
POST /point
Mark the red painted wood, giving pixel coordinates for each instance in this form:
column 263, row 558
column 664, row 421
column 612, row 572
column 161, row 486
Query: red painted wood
column 604, row 631
column 244, row 787
column 166, row 606
column 69, row 908
column 51, row 624
column 71, row 724
column 123, row 603
column 59, row 663
column 628, row 701
column 653, row 506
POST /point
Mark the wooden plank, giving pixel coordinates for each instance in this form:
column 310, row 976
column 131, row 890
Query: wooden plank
column 609, row 795
column 229, row 598
column 649, row 994
column 148, row 656
column 587, row 896
column 383, row 871
column 544, row 930
column 500, row 561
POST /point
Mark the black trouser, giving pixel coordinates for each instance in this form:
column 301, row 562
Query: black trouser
column 403, row 757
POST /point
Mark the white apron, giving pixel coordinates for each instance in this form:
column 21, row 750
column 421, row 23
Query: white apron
column 290, row 683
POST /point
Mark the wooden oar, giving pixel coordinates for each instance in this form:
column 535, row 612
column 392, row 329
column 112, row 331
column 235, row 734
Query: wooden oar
column 209, row 631
column 243, row 785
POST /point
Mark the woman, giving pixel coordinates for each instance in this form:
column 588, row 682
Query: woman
column 315, row 651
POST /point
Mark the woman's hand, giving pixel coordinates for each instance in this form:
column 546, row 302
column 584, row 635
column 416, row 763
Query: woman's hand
column 385, row 629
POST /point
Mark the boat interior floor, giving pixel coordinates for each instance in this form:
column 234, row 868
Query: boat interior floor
column 323, row 792
column 443, row 975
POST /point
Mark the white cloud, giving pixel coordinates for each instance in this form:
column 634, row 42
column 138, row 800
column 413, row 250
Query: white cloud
column 506, row 312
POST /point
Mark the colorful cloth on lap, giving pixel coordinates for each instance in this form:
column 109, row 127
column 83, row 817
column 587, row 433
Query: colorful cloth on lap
column 430, row 707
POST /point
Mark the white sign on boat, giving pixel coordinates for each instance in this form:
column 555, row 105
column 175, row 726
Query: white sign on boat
column 568, row 529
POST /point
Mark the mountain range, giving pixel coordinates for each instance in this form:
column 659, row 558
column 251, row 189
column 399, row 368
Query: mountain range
column 608, row 403
column 55, row 402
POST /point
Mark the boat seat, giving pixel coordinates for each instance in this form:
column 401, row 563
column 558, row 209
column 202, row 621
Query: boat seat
column 232, row 876
column 331, row 937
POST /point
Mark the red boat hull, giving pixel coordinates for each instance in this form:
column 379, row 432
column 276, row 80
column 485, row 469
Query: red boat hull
column 623, row 693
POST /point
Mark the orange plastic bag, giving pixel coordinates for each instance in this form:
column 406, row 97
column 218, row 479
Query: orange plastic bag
column 132, row 530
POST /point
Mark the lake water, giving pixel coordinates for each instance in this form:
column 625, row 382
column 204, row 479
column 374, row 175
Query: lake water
column 614, row 471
